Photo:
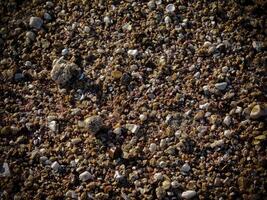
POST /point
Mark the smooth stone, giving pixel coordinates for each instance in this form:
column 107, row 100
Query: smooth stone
column 257, row 112
column 143, row 117
column 36, row 22
column 47, row 16
column 189, row 194
column 227, row 120
column 152, row 147
column 85, row 176
column 217, row 143
column 170, row 8
column 166, row 184
column 30, row 35
column 221, row 86
column 55, row 166
column 76, row 141
column 64, row 52
column 132, row 52
column 185, row 168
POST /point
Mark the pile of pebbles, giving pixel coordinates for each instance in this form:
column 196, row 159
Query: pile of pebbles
column 133, row 99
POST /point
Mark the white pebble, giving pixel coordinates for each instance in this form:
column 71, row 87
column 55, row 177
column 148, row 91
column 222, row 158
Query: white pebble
column 85, row 176
column 143, row 117
column 133, row 128
column 189, row 194
column 175, row 184
column 152, row 147
column 170, row 8
column 132, row 52
column 227, row 120
column 64, row 52
column 225, row 69
column 53, row 126
column 55, row 166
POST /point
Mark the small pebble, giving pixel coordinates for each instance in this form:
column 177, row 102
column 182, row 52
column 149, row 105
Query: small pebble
column 85, row 176
column 221, row 86
column 185, row 168
column 189, row 194
column 152, row 147
column 55, row 166
column 36, row 22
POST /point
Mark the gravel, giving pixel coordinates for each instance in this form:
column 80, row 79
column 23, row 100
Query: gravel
column 133, row 99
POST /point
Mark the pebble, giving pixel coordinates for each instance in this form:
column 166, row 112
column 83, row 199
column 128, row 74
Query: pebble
column 152, row 147
column 221, row 86
column 185, row 168
column 63, row 72
column 217, row 143
column 65, row 52
column 36, row 22
column 257, row 112
column 30, row 35
column 151, row 5
column 85, row 176
column 170, row 8
column 133, row 128
column 143, row 117
column 133, row 52
column 55, row 166
column 158, row 176
column 166, row 184
column 53, row 126
column 160, row 192
column 71, row 194
column 47, row 16
column 225, row 69
column 189, row 194
column 175, row 184
column 75, row 141
column 227, row 120
column 94, row 124
column 5, row 171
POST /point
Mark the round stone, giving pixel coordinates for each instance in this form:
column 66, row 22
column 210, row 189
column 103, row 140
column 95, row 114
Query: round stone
column 152, row 147
column 189, row 194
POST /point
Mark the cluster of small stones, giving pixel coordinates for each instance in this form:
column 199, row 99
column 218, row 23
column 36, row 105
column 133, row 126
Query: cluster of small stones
column 133, row 99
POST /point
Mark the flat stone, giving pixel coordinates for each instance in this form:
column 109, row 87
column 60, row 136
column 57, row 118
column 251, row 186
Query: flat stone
column 189, row 194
